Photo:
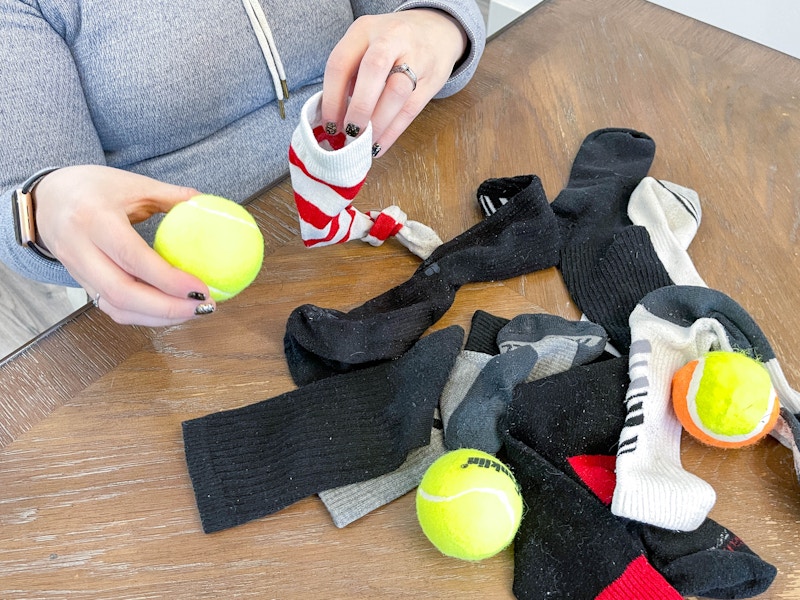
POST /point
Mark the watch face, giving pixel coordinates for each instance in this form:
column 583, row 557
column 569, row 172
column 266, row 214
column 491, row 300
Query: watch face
column 22, row 209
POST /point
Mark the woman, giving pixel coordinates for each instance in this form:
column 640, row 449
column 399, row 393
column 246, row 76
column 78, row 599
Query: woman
column 142, row 109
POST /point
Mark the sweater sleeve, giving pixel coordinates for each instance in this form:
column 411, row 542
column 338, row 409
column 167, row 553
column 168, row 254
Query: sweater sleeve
column 45, row 120
column 466, row 12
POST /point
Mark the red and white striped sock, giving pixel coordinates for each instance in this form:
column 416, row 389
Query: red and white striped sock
column 327, row 172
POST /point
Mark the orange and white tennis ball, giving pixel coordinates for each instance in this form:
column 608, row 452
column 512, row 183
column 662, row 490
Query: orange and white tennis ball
column 725, row 399
column 214, row 239
column 469, row 505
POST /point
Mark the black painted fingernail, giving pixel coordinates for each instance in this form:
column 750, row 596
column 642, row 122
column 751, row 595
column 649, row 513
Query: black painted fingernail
column 330, row 128
column 196, row 296
column 352, row 129
column 204, row 309
column 376, row 148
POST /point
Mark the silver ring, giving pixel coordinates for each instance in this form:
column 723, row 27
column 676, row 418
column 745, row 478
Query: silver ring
column 405, row 70
column 96, row 300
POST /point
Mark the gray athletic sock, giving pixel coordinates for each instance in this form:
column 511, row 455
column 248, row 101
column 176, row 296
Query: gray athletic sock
column 541, row 343
column 475, row 422
column 559, row 343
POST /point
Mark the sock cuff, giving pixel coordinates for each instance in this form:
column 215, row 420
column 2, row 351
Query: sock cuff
column 641, row 581
column 496, row 192
column 483, row 332
column 344, row 163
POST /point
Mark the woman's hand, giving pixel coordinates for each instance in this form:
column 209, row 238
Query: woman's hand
column 84, row 215
column 357, row 87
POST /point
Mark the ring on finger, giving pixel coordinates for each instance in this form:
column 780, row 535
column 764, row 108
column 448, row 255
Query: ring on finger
column 96, row 300
column 405, row 70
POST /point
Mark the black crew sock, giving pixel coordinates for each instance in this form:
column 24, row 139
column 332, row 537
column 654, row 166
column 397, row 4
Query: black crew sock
column 573, row 419
column 711, row 561
column 252, row 461
column 569, row 545
column 608, row 264
column 497, row 192
column 521, row 238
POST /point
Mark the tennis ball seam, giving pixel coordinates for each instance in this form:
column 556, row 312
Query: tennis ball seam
column 223, row 215
column 499, row 494
column 691, row 407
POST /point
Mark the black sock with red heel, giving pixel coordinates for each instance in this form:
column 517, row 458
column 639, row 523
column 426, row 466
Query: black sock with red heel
column 573, row 420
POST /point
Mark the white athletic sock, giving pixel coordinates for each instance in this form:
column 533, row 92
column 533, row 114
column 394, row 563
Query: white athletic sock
column 652, row 485
column 671, row 214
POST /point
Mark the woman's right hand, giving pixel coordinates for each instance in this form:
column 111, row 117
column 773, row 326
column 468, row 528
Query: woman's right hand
column 84, row 216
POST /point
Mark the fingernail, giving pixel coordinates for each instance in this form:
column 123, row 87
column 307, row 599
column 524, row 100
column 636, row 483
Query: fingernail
column 376, row 148
column 196, row 296
column 330, row 128
column 204, row 309
column 352, row 129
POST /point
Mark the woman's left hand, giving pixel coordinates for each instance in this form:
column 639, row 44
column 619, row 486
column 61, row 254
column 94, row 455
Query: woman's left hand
column 357, row 87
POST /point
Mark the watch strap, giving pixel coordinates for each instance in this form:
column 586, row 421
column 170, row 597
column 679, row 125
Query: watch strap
column 27, row 187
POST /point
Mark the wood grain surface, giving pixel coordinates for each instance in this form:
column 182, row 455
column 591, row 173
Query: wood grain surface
column 95, row 499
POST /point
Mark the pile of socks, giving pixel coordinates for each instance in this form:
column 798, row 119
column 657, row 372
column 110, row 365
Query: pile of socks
column 578, row 409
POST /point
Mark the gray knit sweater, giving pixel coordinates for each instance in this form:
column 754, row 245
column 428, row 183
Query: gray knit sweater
column 177, row 90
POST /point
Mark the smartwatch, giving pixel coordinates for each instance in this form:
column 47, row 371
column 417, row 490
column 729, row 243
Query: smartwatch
column 23, row 208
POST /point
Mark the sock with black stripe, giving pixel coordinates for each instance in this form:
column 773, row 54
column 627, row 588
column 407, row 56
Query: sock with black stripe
column 670, row 327
column 671, row 215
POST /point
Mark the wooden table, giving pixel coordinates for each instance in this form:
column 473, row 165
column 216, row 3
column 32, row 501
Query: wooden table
column 95, row 500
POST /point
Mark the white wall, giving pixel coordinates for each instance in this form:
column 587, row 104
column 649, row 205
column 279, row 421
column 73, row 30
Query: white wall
column 773, row 23
column 502, row 12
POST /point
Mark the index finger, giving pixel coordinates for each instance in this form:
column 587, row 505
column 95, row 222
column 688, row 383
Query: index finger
column 125, row 247
column 337, row 84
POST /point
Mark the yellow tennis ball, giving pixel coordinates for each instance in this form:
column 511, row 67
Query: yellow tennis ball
column 725, row 399
column 469, row 505
column 214, row 239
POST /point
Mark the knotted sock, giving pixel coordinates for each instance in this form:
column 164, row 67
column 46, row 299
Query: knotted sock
column 327, row 172
column 520, row 238
column 250, row 462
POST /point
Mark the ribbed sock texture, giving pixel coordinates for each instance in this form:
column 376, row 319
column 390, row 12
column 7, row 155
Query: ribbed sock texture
column 607, row 265
column 352, row 502
column 349, row 503
column 252, row 461
column 521, row 238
